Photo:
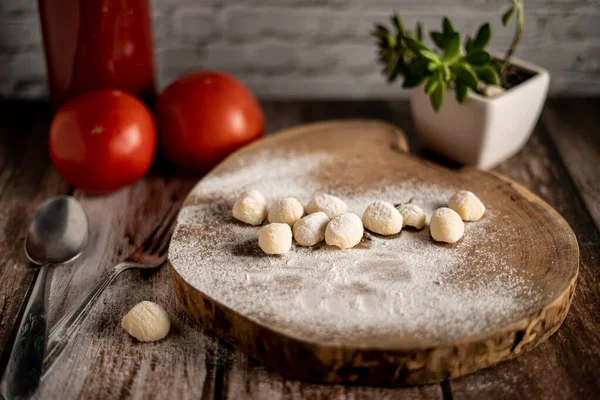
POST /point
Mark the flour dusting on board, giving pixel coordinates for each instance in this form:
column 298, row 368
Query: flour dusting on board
column 403, row 284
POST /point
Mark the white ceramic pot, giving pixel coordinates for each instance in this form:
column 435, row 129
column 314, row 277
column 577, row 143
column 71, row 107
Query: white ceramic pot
column 482, row 131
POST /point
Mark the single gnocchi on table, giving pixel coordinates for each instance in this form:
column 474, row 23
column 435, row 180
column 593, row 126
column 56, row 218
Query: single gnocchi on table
column 147, row 322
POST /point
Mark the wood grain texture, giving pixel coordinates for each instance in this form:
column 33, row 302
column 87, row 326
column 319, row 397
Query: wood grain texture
column 551, row 260
column 201, row 365
column 574, row 127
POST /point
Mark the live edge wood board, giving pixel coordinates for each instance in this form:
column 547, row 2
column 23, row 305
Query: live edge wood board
column 550, row 257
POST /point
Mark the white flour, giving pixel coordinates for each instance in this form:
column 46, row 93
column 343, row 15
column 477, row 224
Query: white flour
column 402, row 285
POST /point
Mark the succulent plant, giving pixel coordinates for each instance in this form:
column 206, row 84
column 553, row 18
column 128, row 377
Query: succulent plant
column 461, row 68
column 403, row 53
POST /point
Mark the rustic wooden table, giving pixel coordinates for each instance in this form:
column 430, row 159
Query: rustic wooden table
column 559, row 163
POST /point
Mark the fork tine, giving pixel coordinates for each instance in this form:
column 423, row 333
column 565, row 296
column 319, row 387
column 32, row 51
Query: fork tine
column 161, row 242
column 150, row 240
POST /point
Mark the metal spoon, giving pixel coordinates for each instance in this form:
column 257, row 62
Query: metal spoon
column 57, row 234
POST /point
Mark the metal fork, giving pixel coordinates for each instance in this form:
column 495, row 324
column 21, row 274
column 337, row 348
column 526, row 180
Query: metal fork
column 151, row 254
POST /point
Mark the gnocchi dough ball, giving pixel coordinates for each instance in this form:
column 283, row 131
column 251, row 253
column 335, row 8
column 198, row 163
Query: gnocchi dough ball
column 146, row 321
column 332, row 206
column 467, row 205
column 310, row 230
column 275, row 238
column 344, row 231
column 446, row 226
column 286, row 211
column 381, row 217
column 250, row 207
column 412, row 215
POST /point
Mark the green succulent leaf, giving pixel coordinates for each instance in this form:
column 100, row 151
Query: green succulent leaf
column 430, row 56
column 399, row 68
column 468, row 44
column 461, row 91
column 496, row 64
column 478, row 57
column 465, row 74
column 391, row 41
column 380, row 31
column 432, row 85
column 437, row 97
column 397, row 21
column 484, row 34
column 412, row 79
column 446, row 73
column 419, row 32
column 507, row 16
column 488, row 74
column 448, row 27
column 412, row 44
column 390, row 66
column 420, row 65
column 399, row 38
column 452, row 47
column 432, row 66
column 438, row 38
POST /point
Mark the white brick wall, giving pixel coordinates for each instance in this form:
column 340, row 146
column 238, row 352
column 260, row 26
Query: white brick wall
column 316, row 48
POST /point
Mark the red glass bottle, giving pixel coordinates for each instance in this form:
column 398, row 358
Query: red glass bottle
column 98, row 44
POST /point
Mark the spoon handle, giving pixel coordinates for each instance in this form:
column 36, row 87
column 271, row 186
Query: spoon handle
column 24, row 368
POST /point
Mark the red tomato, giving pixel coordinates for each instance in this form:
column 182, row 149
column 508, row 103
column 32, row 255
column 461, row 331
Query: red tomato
column 101, row 141
column 204, row 116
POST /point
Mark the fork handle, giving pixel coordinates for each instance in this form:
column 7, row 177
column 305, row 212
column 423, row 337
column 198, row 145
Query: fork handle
column 69, row 324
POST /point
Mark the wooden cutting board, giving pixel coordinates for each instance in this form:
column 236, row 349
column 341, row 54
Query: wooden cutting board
column 393, row 310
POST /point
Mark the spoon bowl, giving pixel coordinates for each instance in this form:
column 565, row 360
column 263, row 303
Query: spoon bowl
column 58, row 232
